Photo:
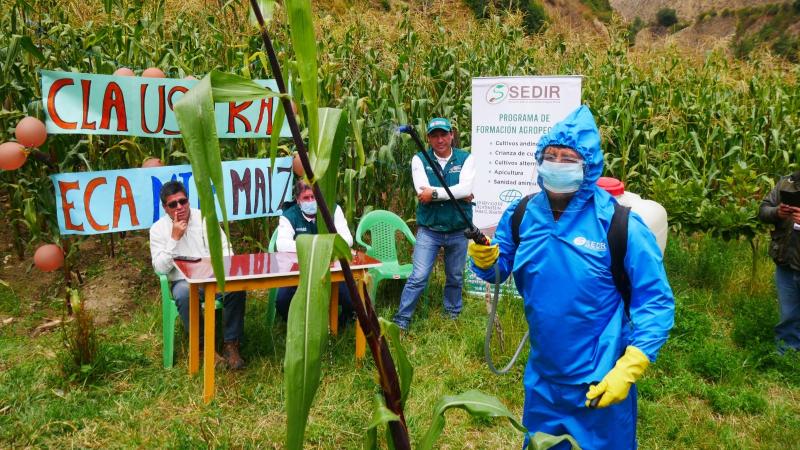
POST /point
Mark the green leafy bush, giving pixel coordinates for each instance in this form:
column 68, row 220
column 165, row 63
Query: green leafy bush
column 691, row 327
column 534, row 17
column 715, row 362
column 601, row 8
column 735, row 400
column 753, row 320
column 633, row 29
column 666, row 17
column 787, row 47
column 9, row 301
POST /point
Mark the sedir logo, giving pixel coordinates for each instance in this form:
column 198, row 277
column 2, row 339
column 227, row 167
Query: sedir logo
column 581, row 241
column 496, row 93
column 509, row 195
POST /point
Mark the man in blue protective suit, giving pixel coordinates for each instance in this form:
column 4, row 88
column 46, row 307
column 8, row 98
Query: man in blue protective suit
column 586, row 351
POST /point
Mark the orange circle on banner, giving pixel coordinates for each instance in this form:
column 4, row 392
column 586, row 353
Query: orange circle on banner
column 124, row 72
column 12, row 156
column 153, row 72
column 31, row 132
column 48, row 258
column 152, row 162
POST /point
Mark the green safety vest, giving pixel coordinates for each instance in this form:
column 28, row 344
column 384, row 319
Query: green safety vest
column 299, row 222
column 442, row 216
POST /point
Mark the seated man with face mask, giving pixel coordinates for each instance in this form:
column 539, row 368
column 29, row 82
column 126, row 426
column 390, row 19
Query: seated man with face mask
column 301, row 218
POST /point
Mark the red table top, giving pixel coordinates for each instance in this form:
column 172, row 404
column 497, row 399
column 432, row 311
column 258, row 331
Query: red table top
column 260, row 265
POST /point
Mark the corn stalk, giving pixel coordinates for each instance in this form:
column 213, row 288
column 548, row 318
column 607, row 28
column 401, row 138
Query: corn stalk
column 367, row 317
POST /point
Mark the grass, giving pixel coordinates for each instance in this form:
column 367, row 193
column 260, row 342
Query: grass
column 712, row 387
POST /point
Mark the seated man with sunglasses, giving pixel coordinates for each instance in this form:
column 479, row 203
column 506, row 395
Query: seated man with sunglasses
column 181, row 232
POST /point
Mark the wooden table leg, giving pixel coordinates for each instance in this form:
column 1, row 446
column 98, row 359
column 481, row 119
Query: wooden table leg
column 333, row 311
column 208, row 348
column 361, row 340
column 194, row 328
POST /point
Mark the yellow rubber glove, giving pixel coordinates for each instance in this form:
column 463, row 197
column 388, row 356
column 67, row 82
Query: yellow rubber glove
column 483, row 255
column 617, row 382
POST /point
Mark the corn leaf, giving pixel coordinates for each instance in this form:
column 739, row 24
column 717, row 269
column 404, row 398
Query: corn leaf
column 307, row 328
column 227, row 87
column 357, row 128
column 304, row 43
column 405, row 370
column 381, row 416
column 334, row 133
column 474, row 402
column 267, row 8
column 195, row 115
column 543, row 441
column 275, row 136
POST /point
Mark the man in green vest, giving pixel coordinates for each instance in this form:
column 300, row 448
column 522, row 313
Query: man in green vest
column 301, row 218
column 438, row 223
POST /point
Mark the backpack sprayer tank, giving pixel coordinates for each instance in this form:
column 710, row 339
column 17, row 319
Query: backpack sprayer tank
column 653, row 214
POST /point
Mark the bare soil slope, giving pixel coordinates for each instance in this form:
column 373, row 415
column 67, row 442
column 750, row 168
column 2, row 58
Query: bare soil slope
column 687, row 10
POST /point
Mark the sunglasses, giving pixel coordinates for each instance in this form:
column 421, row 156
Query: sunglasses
column 174, row 204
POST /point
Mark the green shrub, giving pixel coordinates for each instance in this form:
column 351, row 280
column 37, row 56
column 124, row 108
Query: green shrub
column 787, row 47
column 700, row 260
column 787, row 366
column 753, row 320
column 733, row 400
column 796, row 6
column 773, row 9
column 715, row 362
column 666, row 17
column 80, row 343
column 691, row 327
column 633, row 29
column 743, row 47
column 9, row 301
column 535, row 16
column 601, row 8
column 533, row 13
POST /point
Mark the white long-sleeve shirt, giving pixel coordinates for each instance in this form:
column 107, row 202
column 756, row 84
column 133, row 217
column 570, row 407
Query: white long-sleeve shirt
column 461, row 190
column 194, row 242
column 285, row 240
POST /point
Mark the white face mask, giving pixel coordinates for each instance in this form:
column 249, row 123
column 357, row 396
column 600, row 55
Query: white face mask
column 561, row 178
column 309, row 208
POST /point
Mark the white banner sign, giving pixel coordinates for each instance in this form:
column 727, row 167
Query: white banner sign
column 509, row 115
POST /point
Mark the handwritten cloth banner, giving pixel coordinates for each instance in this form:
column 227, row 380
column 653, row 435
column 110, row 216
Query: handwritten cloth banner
column 79, row 103
column 121, row 200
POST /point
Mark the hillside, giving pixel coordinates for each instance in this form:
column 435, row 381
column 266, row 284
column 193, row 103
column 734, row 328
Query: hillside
column 687, row 10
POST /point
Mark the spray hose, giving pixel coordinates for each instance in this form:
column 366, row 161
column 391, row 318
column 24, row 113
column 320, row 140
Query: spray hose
column 487, row 351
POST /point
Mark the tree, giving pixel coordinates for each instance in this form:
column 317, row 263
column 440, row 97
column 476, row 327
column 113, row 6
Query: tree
column 666, row 17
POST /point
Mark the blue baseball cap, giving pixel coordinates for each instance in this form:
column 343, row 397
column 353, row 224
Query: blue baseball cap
column 439, row 123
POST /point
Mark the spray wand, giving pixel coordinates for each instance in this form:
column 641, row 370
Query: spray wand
column 472, row 232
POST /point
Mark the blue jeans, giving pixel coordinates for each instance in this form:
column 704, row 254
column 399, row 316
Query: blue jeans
column 455, row 253
column 787, row 331
column 284, row 300
column 233, row 310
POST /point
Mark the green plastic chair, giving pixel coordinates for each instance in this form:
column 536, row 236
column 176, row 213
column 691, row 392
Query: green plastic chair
column 382, row 226
column 169, row 312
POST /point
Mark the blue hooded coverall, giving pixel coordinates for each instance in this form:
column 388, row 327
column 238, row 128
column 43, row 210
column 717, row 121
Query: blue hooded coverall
column 578, row 327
